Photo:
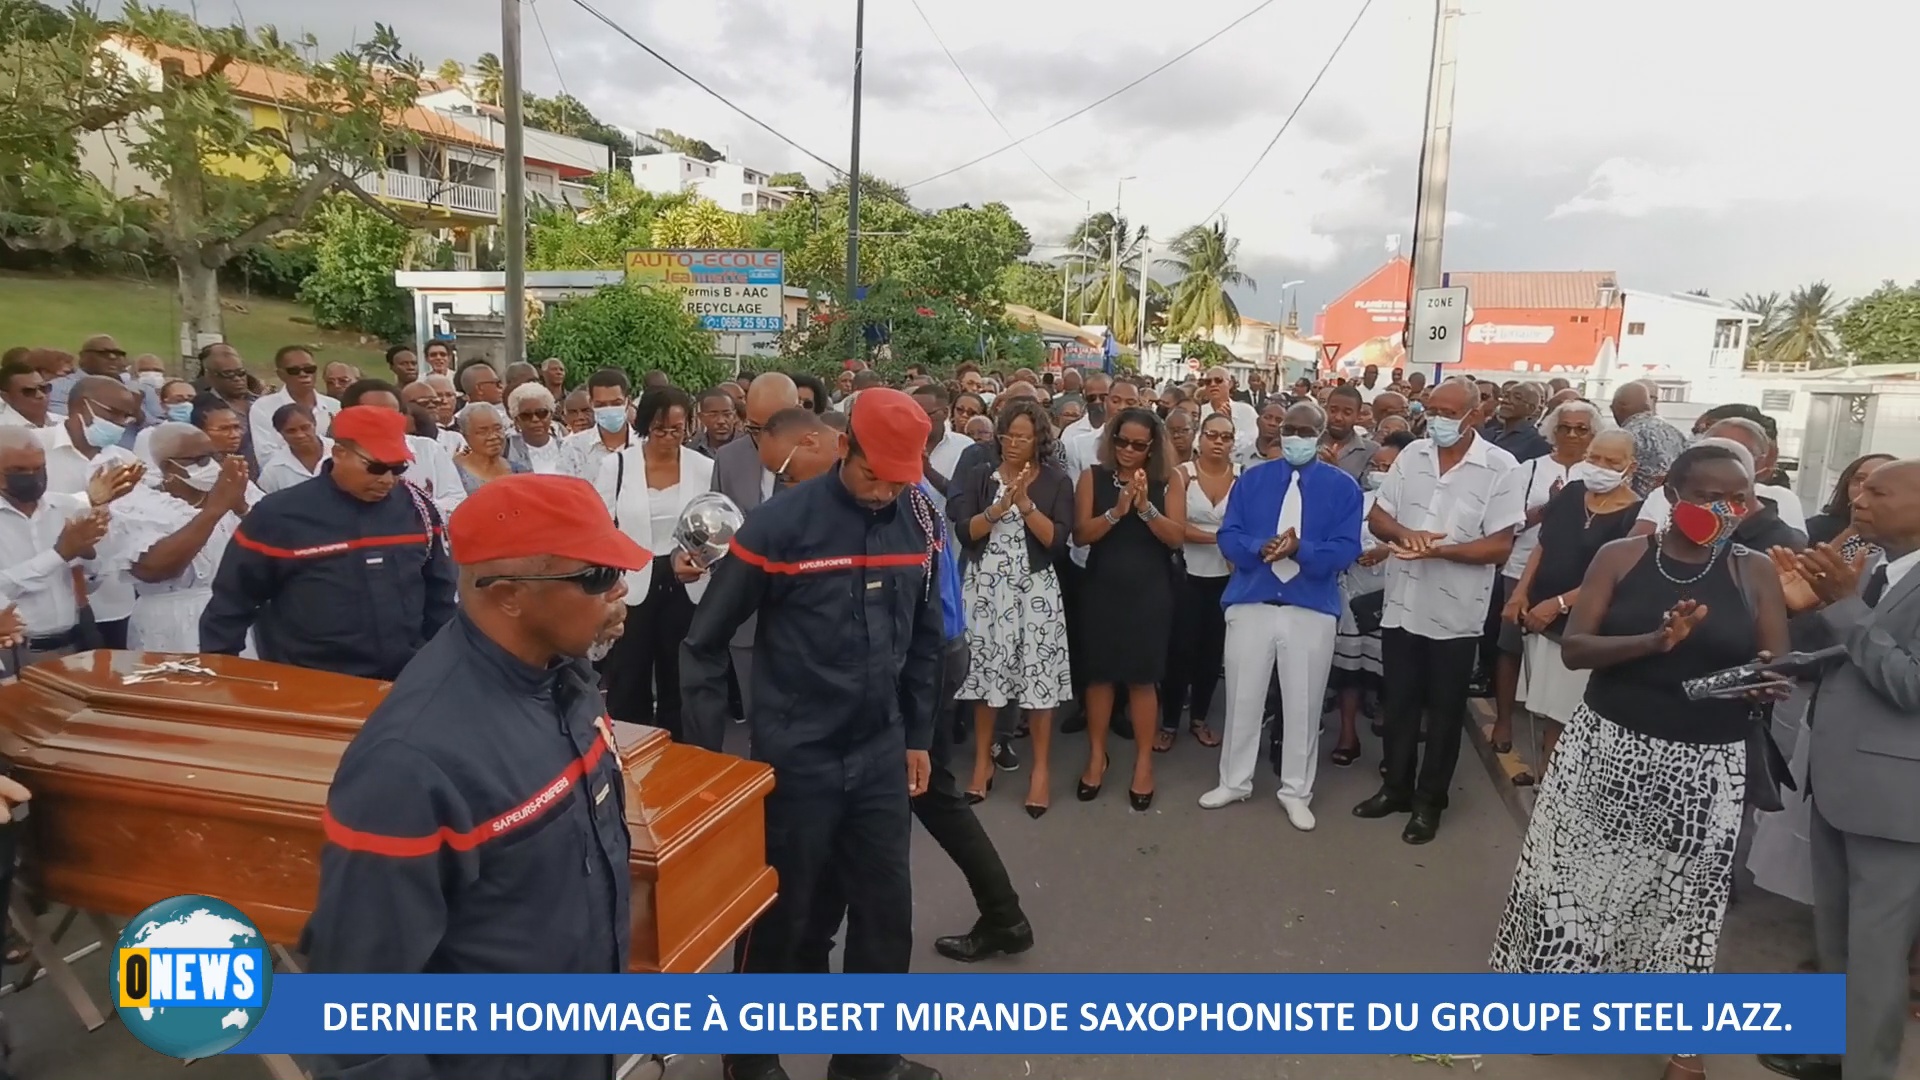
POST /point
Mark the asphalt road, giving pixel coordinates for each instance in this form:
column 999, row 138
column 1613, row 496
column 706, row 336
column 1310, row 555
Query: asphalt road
column 1176, row 889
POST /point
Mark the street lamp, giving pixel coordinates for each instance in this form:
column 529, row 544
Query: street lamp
column 1113, row 292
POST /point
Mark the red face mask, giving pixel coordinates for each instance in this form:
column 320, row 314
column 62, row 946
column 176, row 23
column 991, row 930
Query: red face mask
column 1707, row 525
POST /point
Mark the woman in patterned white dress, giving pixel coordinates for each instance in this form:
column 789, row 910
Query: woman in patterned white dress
column 1012, row 522
column 1628, row 860
column 1356, row 654
column 176, row 531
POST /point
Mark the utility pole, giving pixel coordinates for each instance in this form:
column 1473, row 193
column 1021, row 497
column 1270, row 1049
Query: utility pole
column 1140, row 328
column 853, row 176
column 513, row 213
column 1435, row 151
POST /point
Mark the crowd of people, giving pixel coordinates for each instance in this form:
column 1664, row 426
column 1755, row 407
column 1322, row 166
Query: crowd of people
column 1037, row 556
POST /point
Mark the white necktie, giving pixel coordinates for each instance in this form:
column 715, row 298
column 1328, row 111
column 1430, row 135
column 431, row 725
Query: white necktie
column 1286, row 569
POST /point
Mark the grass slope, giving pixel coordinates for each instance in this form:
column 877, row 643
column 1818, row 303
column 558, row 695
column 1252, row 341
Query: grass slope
column 61, row 312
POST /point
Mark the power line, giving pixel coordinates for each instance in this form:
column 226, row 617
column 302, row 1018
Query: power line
column 983, row 103
column 711, row 92
column 1257, row 9
column 534, row 6
column 1288, row 122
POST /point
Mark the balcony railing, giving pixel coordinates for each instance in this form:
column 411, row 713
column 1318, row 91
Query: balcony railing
column 428, row 191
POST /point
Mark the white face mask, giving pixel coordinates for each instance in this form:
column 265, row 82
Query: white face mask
column 1597, row 479
column 155, row 379
column 203, row 476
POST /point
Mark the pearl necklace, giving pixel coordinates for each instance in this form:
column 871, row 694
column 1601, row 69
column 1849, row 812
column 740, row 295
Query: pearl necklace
column 1659, row 555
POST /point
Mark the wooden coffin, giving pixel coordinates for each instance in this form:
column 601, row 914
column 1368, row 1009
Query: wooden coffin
column 192, row 784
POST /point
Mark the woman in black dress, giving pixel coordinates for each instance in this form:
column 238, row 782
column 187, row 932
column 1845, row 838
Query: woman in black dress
column 1132, row 522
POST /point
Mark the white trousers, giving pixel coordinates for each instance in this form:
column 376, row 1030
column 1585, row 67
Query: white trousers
column 1297, row 643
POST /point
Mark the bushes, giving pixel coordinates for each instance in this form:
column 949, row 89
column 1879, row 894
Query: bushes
column 632, row 328
column 355, row 254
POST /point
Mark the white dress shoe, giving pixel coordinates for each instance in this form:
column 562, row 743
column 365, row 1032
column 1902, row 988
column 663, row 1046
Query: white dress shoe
column 1297, row 813
column 1219, row 797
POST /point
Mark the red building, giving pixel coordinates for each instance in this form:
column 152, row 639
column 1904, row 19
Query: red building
column 1539, row 322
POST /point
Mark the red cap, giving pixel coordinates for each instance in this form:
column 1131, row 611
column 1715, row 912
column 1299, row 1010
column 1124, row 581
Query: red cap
column 891, row 429
column 381, row 434
column 528, row 514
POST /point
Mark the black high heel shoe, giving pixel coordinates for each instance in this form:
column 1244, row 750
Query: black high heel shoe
column 1036, row 812
column 1089, row 792
column 975, row 798
column 1140, row 802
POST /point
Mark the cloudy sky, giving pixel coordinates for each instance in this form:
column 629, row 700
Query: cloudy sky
column 1732, row 145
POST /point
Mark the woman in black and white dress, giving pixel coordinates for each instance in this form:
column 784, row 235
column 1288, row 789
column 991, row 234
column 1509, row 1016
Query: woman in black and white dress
column 1356, row 652
column 1627, row 864
column 1012, row 523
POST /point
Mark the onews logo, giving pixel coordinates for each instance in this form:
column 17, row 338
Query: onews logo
column 191, row 976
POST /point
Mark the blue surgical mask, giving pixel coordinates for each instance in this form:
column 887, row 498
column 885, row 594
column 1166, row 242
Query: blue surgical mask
column 610, row 418
column 101, row 433
column 180, row 412
column 1416, row 408
column 1443, row 430
column 1375, row 479
column 1299, row 449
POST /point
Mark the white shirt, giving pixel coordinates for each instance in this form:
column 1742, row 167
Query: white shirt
column 285, row 470
column 1078, row 427
column 11, row 417
column 33, row 576
column 1082, row 452
column 583, row 453
column 549, row 458
column 452, row 441
column 1899, row 567
column 434, row 472
column 1246, row 426
column 1205, row 560
column 68, row 471
column 1657, row 509
column 640, row 511
column 1536, row 481
column 945, row 458
column 266, row 441
column 1478, row 497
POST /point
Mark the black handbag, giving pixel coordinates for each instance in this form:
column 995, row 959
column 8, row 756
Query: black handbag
column 1368, row 609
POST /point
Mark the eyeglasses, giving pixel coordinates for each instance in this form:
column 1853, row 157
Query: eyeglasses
column 302, row 369
column 678, row 431
column 1016, row 440
column 185, row 463
column 594, row 580
column 1217, row 436
column 1138, row 446
column 381, row 468
column 36, row 390
column 236, row 373
column 536, row 414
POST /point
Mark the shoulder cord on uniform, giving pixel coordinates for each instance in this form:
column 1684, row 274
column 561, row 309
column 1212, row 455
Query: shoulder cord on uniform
column 928, row 516
column 423, row 507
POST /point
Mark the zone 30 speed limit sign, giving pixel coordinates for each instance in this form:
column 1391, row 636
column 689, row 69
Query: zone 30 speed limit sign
column 1439, row 325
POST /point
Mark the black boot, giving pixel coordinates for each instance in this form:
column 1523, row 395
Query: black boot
column 902, row 1070
column 985, row 941
column 1802, row 1066
column 752, row 1067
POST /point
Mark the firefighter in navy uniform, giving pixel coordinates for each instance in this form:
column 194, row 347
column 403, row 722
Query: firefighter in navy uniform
column 477, row 822
column 842, row 572
column 345, row 572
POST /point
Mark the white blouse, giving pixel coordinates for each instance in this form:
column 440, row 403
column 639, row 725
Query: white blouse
column 1205, row 560
column 284, row 470
column 649, row 515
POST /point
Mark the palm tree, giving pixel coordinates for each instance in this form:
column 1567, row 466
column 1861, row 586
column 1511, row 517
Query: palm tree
column 452, row 72
column 487, row 71
column 1806, row 327
column 1205, row 257
column 1765, row 333
column 1099, row 295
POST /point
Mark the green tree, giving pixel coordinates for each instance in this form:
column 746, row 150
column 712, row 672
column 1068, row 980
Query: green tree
column 619, row 217
column 1207, row 260
column 1103, row 294
column 489, row 79
column 789, row 180
column 1765, row 333
column 1806, row 328
column 698, row 223
column 452, row 72
column 1883, row 327
column 958, row 254
column 355, row 253
column 1032, row 284
column 688, row 145
column 629, row 327
column 226, row 185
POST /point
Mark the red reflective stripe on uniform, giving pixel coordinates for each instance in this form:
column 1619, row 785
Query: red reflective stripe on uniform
column 825, row 563
column 318, row 550
column 403, row 847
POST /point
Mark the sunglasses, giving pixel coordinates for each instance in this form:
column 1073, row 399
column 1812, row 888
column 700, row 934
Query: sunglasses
column 679, row 432
column 303, row 369
column 594, row 580
column 238, row 373
column 116, row 354
column 32, row 391
column 537, row 414
column 381, row 468
column 1138, row 446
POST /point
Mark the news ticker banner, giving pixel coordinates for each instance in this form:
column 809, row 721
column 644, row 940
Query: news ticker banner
column 1052, row 1014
